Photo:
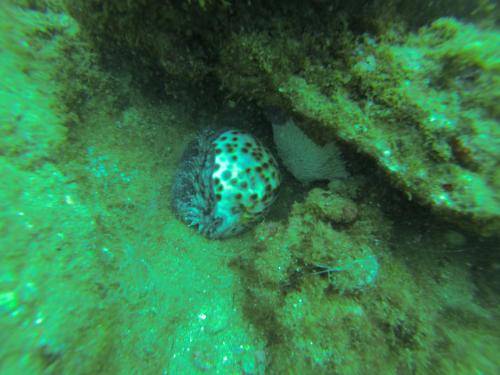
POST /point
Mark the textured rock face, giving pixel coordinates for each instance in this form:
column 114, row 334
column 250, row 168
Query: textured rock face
column 421, row 104
column 430, row 123
column 423, row 109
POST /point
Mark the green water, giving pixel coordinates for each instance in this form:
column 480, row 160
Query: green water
column 390, row 270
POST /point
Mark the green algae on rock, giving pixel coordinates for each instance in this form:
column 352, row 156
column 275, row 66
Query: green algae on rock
column 384, row 306
column 424, row 109
column 96, row 275
column 421, row 103
column 429, row 117
column 49, row 278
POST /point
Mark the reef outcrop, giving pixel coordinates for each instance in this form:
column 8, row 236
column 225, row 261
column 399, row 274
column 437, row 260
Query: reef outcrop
column 415, row 92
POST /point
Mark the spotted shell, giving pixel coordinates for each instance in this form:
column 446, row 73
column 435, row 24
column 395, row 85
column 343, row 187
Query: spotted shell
column 226, row 182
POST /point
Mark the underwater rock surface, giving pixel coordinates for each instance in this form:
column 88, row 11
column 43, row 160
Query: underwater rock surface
column 416, row 93
column 98, row 276
column 422, row 108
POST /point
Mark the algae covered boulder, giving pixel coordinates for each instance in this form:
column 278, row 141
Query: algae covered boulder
column 427, row 115
column 421, row 104
column 344, row 294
